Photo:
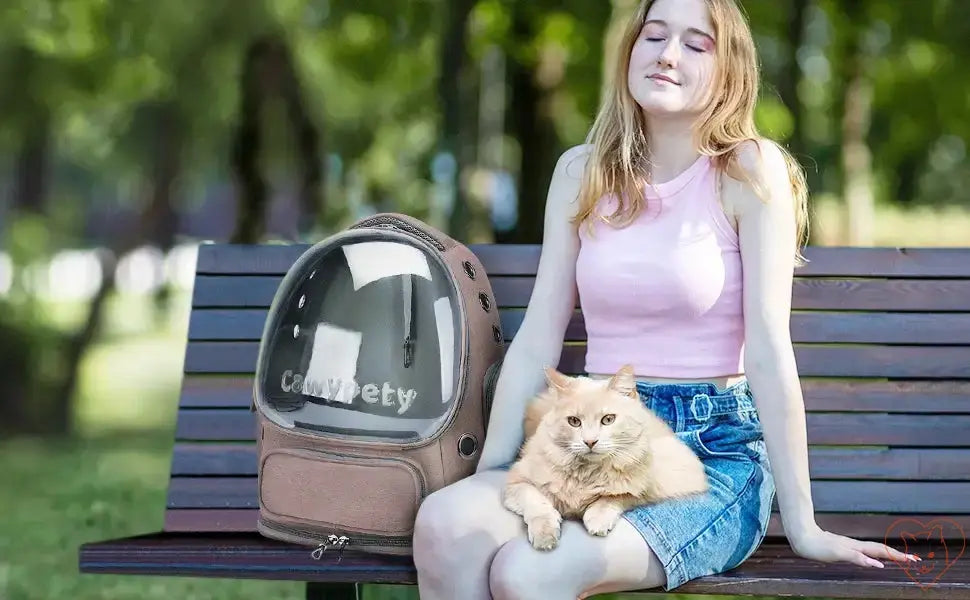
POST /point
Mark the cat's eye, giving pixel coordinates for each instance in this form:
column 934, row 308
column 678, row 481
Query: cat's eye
column 574, row 421
column 607, row 419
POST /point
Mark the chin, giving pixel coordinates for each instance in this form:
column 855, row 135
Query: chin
column 663, row 109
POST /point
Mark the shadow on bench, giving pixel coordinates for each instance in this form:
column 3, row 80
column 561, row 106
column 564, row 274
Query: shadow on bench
column 883, row 347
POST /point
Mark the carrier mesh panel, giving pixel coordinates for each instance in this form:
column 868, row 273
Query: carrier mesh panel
column 366, row 345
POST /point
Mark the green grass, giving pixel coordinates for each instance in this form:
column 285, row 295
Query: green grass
column 57, row 496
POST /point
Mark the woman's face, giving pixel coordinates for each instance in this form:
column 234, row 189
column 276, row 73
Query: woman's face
column 672, row 62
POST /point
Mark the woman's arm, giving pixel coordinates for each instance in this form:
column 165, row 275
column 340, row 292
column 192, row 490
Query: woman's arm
column 538, row 342
column 767, row 232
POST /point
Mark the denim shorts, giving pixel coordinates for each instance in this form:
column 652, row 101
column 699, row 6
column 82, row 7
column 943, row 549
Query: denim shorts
column 716, row 531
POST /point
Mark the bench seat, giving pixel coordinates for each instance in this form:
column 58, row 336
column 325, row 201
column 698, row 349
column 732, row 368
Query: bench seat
column 882, row 339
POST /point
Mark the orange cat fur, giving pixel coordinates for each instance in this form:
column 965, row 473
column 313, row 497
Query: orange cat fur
column 592, row 450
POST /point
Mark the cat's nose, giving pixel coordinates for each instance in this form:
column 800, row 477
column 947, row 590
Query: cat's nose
column 590, row 443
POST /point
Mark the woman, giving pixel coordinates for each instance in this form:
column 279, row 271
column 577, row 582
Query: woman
column 650, row 224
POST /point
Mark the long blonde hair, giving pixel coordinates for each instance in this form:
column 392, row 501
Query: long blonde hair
column 618, row 164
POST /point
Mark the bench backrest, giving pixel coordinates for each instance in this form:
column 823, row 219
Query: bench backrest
column 882, row 342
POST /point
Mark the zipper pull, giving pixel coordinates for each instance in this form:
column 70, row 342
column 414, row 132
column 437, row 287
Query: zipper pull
column 342, row 542
column 317, row 554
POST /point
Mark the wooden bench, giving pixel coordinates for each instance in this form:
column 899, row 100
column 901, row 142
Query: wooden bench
column 883, row 346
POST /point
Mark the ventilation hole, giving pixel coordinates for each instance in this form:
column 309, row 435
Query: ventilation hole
column 486, row 303
column 469, row 269
column 496, row 334
column 467, row 445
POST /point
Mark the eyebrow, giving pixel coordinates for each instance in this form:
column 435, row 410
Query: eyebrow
column 690, row 29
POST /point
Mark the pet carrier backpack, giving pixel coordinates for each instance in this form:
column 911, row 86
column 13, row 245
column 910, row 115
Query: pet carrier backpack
column 373, row 384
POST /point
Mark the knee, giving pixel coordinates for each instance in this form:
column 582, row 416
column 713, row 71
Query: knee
column 520, row 572
column 434, row 528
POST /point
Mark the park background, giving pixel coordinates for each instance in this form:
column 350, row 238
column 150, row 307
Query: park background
column 133, row 131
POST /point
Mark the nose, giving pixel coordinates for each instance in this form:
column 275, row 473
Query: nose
column 590, row 443
column 670, row 54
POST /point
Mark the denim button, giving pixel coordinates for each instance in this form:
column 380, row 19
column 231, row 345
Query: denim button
column 701, row 407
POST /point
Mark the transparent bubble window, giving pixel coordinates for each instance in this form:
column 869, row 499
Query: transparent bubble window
column 366, row 345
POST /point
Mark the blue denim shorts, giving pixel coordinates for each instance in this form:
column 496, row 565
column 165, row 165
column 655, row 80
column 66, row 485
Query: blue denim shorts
column 714, row 532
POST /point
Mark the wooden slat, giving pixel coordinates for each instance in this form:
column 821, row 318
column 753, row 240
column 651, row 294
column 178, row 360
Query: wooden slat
column 944, row 497
column 861, row 525
column 511, row 259
column 234, row 460
column 808, row 293
column 806, row 327
column 207, row 520
column 217, row 391
column 850, row 429
column 773, row 570
column 234, row 291
column 902, row 362
column 235, row 391
column 516, row 259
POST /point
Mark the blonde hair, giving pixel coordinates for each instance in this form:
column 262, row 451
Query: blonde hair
column 619, row 156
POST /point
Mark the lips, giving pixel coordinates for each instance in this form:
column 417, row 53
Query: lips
column 659, row 77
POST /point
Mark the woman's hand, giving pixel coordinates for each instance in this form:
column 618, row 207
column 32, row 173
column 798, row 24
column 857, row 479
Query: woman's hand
column 825, row 546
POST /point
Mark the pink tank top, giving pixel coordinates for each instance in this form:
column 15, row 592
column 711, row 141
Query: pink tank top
column 664, row 293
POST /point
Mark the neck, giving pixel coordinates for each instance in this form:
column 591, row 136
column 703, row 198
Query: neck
column 671, row 147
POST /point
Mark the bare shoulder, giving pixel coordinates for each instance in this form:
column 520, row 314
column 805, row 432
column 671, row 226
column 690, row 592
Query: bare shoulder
column 567, row 180
column 764, row 169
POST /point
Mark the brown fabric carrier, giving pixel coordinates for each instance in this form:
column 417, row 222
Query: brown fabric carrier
column 346, row 487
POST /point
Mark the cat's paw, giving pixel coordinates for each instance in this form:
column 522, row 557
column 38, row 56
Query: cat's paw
column 544, row 532
column 513, row 504
column 600, row 519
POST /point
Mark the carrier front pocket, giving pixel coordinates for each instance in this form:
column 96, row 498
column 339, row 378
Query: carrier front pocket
column 376, row 495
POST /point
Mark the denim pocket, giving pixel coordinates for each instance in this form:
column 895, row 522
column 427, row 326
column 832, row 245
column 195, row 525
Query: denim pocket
column 734, row 435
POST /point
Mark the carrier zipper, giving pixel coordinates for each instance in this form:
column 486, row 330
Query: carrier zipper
column 387, row 222
column 363, row 540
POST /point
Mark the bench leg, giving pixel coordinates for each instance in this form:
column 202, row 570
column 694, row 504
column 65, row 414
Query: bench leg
column 319, row 590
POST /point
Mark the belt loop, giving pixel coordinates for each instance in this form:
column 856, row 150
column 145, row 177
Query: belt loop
column 701, row 410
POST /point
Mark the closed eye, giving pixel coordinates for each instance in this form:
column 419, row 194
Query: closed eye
column 696, row 48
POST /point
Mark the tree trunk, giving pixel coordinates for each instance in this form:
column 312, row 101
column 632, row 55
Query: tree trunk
column 157, row 225
column 76, row 345
column 268, row 71
column 456, row 140
column 788, row 86
column 857, row 187
column 308, row 141
column 532, row 126
column 33, row 160
column 246, row 145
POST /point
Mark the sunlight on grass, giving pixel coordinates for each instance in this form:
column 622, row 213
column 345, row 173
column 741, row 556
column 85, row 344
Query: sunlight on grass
column 895, row 226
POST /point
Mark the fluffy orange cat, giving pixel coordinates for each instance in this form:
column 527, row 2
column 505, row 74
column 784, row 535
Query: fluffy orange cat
column 592, row 450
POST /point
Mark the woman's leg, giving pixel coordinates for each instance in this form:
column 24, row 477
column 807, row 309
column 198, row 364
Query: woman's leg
column 580, row 566
column 458, row 530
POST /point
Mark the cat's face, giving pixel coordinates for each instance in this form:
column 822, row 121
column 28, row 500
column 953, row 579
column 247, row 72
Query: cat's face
column 595, row 418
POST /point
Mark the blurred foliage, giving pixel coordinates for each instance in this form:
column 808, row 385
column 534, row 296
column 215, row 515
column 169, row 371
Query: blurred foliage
column 95, row 72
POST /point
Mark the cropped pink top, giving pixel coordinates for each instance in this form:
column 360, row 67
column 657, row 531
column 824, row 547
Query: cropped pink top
column 664, row 293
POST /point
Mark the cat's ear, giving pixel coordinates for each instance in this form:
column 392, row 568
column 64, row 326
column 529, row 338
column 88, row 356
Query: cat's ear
column 624, row 381
column 557, row 380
